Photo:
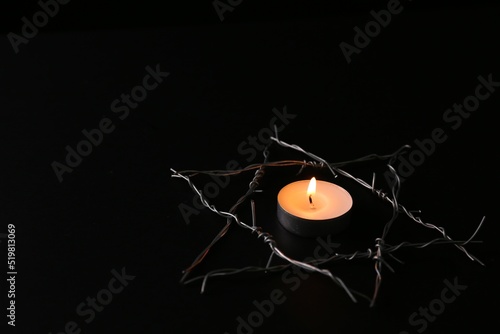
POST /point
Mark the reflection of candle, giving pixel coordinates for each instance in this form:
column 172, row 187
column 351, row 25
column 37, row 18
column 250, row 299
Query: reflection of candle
column 313, row 208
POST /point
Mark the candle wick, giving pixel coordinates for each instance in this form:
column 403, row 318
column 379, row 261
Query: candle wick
column 311, row 201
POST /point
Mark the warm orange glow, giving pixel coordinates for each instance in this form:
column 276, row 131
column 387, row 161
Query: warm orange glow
column 311, row 189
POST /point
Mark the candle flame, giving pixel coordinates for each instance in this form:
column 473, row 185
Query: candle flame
column 311, row 189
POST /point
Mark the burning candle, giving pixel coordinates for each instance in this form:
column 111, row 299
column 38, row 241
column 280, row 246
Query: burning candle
column 312, row 208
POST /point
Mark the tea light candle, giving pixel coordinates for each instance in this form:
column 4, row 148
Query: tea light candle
column 312, row 208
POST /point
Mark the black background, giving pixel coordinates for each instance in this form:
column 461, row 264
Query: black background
column 119, row 208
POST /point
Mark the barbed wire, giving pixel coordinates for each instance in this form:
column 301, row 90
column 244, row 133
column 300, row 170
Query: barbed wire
column 378, row 254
